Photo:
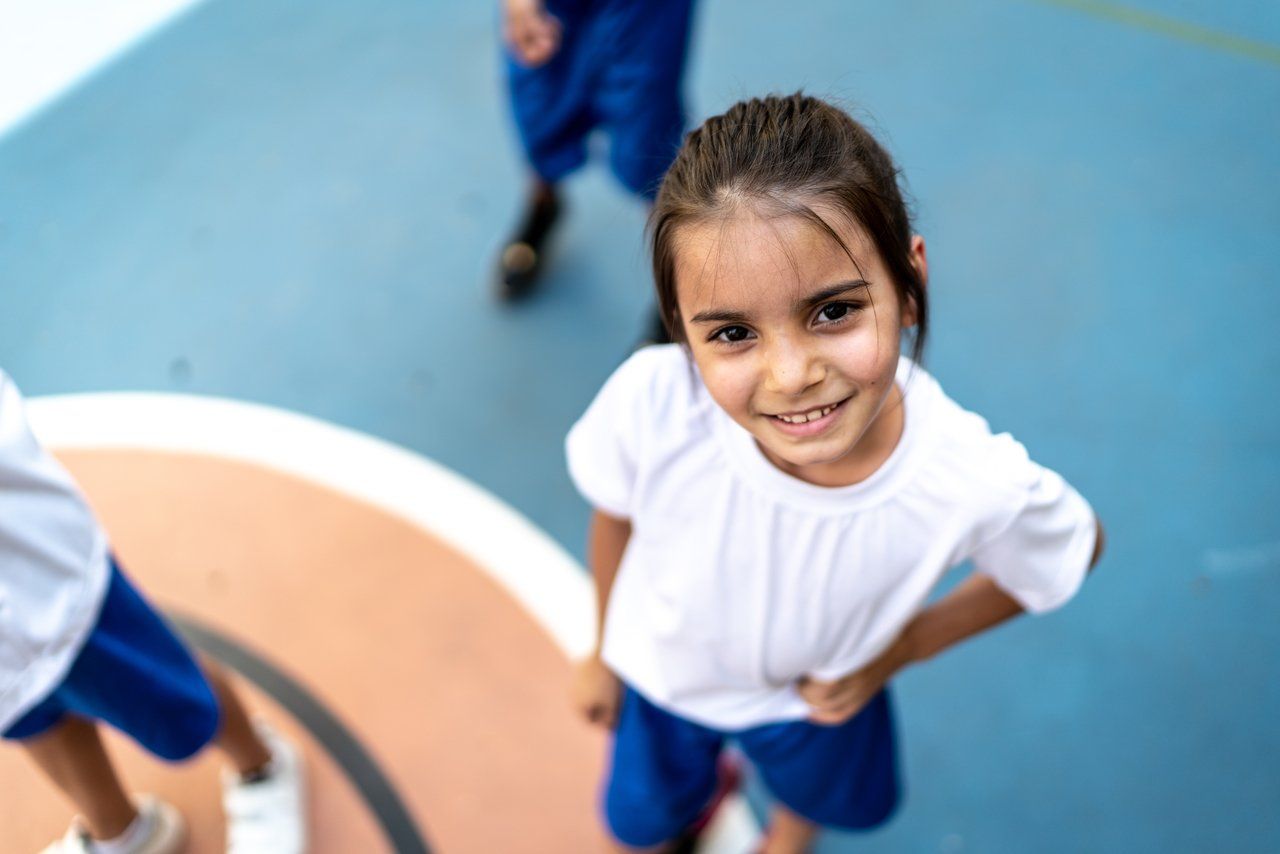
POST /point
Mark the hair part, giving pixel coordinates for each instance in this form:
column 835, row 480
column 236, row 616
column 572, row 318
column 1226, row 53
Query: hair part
column 787, row 155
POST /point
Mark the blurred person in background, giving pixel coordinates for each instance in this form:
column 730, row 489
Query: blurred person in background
column 574, row 66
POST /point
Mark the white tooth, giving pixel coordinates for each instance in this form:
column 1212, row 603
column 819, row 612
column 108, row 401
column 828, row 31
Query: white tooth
column 814, row 415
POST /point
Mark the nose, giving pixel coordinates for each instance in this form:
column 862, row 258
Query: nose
column 792, row 367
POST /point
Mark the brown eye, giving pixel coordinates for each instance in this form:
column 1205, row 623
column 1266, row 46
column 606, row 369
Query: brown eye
column 732, row 334
column 835, row 311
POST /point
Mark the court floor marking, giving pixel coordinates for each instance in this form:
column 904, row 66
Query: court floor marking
column 366, row 777
column 531, row 567
column 1172, row 27
column 540, row 575
column 47, row 47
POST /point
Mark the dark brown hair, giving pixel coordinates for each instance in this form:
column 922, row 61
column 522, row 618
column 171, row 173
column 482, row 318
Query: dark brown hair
column 786, row 154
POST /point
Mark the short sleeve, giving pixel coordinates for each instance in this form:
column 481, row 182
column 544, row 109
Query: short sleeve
column 603, row 447
column 1041, row 555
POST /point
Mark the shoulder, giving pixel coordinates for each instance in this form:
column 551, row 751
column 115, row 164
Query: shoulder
column 664, row 371
column 978, row 484
column 12, row 419
column 7, row 388
column 963, row 450
column 655, row 384
column 647, row 411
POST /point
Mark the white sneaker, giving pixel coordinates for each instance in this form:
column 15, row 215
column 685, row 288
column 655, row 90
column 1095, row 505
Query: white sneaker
column 267, row 816
column 168, row 832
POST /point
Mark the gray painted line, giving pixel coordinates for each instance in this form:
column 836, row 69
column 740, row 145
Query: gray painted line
column 338, row 741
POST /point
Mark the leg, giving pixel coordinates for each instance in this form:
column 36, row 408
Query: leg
column 639, row 97
column 521, row 260
column 841, row 776
column 551, row 108
column 236, row 736
column 264, row 801
column 72, row 755
column 789, row 833
column 662, row 775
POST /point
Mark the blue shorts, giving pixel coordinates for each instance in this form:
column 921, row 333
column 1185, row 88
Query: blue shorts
column 136, row 675
column 619, row 67
column 664, row 769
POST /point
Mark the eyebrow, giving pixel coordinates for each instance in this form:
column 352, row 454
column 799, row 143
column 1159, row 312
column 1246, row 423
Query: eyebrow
column 716, row 315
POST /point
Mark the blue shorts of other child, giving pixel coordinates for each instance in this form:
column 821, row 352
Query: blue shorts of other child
column 664, row 769
column 136, row 675
column 619, row 68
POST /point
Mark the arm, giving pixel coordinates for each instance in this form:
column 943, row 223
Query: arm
column 596, row 690
column 530, row 32
column 606, row 541
column 974, row 606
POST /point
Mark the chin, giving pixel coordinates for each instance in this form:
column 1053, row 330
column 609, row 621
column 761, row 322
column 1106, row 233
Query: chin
column 804, row 457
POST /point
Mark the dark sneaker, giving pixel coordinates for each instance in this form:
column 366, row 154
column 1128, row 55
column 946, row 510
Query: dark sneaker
column 520, row 262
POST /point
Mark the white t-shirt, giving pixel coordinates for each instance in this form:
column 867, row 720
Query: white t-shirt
column 739, row 578
column 53, row 565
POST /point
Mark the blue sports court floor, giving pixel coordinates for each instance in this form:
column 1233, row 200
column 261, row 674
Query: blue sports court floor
column 298, row 204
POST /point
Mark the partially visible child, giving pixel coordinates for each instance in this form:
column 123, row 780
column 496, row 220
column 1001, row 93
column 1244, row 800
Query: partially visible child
column 79, row 646
column 777, row 494
column 577, row 65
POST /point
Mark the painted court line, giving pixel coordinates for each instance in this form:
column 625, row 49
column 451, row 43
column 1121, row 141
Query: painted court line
column 48, row 46
column 1173, row 28
column 538, row 574
column 398, row 826
column 541, row 576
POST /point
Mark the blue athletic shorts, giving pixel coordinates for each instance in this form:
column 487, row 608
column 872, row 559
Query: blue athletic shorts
column 619, row 67
column 136, row 675
column 664, row 769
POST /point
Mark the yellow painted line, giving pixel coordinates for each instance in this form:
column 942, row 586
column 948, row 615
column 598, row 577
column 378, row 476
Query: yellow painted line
column 1173, row 28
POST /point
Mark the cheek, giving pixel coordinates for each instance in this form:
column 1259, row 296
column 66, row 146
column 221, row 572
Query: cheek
column 867, row 355
column 730, row 381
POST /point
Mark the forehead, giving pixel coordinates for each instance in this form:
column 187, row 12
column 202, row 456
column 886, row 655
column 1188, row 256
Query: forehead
column 749, row 258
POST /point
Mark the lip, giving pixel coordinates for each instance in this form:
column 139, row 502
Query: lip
column 809, row 428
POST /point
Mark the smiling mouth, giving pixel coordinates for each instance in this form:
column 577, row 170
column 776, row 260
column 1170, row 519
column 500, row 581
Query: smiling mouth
column 809, row 415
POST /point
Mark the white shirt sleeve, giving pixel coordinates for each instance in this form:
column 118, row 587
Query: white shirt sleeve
column 603, row 447
column 1041, row 555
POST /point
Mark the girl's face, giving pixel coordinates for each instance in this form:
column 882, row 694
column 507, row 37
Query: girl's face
column 794, row 341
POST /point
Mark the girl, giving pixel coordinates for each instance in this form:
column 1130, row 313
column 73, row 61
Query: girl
column 777, row 493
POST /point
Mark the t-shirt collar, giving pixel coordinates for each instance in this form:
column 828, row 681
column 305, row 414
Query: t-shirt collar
column 755, row 468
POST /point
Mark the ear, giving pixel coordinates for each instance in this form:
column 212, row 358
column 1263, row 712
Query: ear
column 920, row 261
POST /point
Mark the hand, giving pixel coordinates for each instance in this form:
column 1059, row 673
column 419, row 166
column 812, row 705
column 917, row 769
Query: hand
column 596, row 693
column 836, row 702
column 532, row 34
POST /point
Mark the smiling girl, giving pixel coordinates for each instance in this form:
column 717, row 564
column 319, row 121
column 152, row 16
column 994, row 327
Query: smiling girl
column 777, row 493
